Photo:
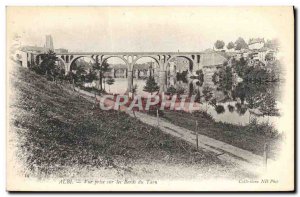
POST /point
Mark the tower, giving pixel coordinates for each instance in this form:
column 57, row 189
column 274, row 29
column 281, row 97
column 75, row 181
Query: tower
column 49, row 42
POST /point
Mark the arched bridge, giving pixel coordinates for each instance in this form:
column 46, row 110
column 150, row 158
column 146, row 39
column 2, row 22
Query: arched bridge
column 162, row 59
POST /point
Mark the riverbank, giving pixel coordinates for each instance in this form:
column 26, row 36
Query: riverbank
column 251, row 137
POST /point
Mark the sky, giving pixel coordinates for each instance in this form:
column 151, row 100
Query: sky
column 134, row 29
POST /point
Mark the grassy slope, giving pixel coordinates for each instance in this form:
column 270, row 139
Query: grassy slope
column 251, row 137
column 58, row 129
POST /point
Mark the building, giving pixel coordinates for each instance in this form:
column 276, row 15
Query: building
column 34, row 49
column 21, row 53
column 263, row 54
column 256, row 43
column 243, row 53
column 61, row 50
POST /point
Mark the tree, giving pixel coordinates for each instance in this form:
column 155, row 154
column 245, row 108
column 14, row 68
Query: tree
column 90, row 76
column 71, row 78
column 268, row 105
column 48, row 66
column 56, row 73
column 200, row 76
column 219, row 44
column 101, row 68
column 230, row 108
column 61, row 75
column 208, row 95
column 240, row 67
column 215, row 78
column 182, row 76
column 241, row 109
column 78, row 73
column 180, row 90
column 151, row 86
column 134, row 88
column 220, row 109
column 240, row 43
column 269, row 56
column 230, row 45
column 225, row 81
column 171, row 90
column 110, row 81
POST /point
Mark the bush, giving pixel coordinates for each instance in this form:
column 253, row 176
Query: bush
column 171, row 90
column 92, row 89
column 202, row 114
column 180, row 90
column 220, row 109
column 264, row 128
column 230, row 108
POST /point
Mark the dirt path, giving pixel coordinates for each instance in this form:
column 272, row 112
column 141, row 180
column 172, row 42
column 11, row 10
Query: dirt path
column 223, row 150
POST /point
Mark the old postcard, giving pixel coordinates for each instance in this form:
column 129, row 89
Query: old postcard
column 150, row 99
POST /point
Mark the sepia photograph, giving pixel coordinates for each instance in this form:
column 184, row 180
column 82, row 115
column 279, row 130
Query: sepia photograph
column 155, row 99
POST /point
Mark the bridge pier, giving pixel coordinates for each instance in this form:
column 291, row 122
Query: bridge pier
column 29, row 59
column 190, row 87
column 130, row 81
column 113, row 73
column 67, row 68
column 38, row 59
column 162, row 81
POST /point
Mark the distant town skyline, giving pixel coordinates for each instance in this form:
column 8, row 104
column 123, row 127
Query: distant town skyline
column 132, row 29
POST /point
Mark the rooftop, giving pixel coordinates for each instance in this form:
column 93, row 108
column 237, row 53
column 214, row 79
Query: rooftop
column 256, row 40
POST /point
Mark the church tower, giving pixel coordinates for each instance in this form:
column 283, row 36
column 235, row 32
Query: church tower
column 49, row 42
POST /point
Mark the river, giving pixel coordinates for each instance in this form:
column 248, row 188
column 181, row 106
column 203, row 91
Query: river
column 239, row 105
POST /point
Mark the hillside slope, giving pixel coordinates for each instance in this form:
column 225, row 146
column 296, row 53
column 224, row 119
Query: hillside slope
column 60, row 132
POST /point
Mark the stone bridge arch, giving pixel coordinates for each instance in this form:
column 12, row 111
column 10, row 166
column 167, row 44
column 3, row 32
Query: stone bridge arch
column 70, row 59
column 104, row 58
column 149, row 71
column 193, row 59
column 122, row 72
column 155, row 58
column 39, row 58
column 63, row 62
column 130, row 59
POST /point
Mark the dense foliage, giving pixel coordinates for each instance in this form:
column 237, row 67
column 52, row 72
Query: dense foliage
column 255, row 71
column 224, row 78
column 48, row 66
column 240, row 43
column 230, row 45
column 219, row 44
column 80, row 71
column 151, row 86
